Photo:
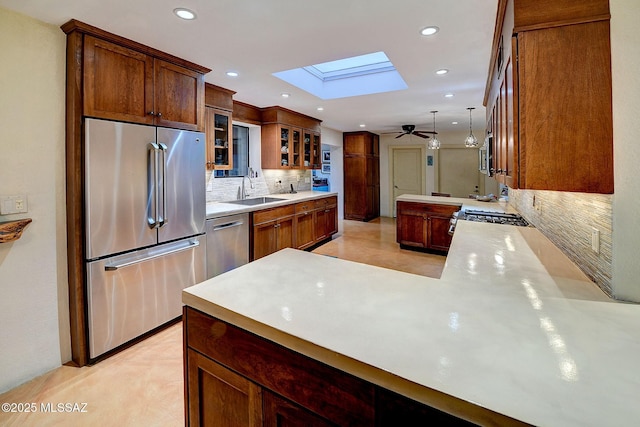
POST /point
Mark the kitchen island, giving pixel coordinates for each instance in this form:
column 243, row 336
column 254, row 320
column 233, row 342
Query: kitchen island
column 511, row 332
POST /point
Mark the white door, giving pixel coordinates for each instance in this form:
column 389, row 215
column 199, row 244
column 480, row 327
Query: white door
column 408, row 173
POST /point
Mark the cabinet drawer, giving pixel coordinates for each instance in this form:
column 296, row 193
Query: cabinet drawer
column 303, row 207
column 326, row 391
column 270, row 214
column 428, row 207
column 325, row 201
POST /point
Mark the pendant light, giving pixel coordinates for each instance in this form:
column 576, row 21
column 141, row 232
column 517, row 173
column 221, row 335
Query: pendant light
column 471, row 141
column 433, row 143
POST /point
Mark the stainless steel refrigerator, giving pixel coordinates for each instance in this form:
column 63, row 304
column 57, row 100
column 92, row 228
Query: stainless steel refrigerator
column 144, row 218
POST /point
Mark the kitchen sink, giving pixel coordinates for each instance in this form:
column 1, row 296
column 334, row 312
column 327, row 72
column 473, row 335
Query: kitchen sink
column 255, row 201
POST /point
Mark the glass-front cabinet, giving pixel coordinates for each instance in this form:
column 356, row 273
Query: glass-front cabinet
column 290, row 147
column 219, row 142
column 316, row 162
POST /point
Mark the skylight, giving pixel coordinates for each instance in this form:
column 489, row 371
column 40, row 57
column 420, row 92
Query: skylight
column 358, row 75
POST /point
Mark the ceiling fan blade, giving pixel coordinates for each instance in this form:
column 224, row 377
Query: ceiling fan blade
column 421, row 135
column 402, row 134
column 426, row 131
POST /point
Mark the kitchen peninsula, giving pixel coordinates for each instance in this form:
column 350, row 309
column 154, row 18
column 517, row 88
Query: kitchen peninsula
column 511, row 333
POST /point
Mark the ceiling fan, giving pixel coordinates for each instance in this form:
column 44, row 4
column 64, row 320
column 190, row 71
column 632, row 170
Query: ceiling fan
column 410, row 130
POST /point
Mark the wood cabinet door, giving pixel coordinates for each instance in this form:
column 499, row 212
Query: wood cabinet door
column 117, row 82
column 264, row 239
column 178, row 96
column 355, row 187
column 279, row 412
column 438, row 237
column 512, row 152
column 305, row 229
column 564, row 95
column 284, row 233
column 411, row 228
column 218, row 397
column 218, row 128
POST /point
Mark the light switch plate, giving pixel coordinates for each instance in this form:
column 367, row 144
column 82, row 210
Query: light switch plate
column 13, row 204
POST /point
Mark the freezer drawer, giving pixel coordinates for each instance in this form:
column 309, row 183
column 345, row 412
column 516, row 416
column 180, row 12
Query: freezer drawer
column 133, row 293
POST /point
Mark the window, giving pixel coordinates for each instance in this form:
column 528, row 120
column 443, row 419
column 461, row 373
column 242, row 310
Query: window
column 240, row 154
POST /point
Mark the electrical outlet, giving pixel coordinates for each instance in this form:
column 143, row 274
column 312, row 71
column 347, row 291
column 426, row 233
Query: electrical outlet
column 538, row 206
column 595, row 240
column 13, row 204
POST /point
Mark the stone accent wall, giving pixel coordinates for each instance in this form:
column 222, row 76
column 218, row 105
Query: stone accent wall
column 267, row 182
column 567, row 219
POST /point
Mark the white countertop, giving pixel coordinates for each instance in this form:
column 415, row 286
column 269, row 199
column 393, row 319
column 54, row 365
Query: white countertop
column 218, row 209
column 512, row 326
column 493, row 206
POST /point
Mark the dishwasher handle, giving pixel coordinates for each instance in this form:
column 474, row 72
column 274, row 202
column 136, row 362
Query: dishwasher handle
column 228, row 225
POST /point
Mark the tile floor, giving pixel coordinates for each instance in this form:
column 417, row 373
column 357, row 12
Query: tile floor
column 143, row 385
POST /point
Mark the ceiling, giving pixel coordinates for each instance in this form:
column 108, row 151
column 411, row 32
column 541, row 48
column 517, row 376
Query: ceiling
column 257, row 38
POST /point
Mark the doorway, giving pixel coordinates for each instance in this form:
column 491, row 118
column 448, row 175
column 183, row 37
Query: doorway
column 458, row 171
column 407, row 173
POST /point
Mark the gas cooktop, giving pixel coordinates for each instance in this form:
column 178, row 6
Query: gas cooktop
column 495, row 217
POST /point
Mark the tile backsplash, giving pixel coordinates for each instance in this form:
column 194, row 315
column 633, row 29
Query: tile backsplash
column 568, row 219
column 268, row 182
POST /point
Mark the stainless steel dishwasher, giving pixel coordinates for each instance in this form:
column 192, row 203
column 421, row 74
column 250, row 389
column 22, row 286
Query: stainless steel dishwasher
column 227, row 243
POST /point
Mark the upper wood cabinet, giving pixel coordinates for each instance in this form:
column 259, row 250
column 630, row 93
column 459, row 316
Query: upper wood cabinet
column 219, row 131
column 548, row 96
column 290, row 140
column 124, row 84
column 219, row 127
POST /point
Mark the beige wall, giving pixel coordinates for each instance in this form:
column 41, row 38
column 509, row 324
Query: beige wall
column 437, row 178
column 625, row 50
column 34, row 325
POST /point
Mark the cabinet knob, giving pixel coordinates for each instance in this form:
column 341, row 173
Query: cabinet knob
column 151, row 113
column 159, row 114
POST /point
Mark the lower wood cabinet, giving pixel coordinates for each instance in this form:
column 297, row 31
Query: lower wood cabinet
column 279, row 412
column 218, row 396
column 424, row 225
column 299, row 225
column 273, row 229
column 235, row 378
column 305, row 224
column 326, row 218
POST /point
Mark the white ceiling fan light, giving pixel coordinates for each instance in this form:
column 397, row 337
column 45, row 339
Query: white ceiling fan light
column 184, row 13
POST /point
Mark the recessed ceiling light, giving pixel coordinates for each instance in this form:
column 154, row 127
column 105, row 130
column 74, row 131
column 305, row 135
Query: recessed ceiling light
column 429, row 31
column 448, row 95
column 363, row 125
column 285, row 95
column 232, row 74
column 454, row 123
column 183, row 13
column 320, row 108
column 442, row 71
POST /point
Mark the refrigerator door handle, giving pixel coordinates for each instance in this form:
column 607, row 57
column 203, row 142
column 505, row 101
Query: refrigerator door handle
column 152, row 185
column 114, row 267
column 162, row 191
